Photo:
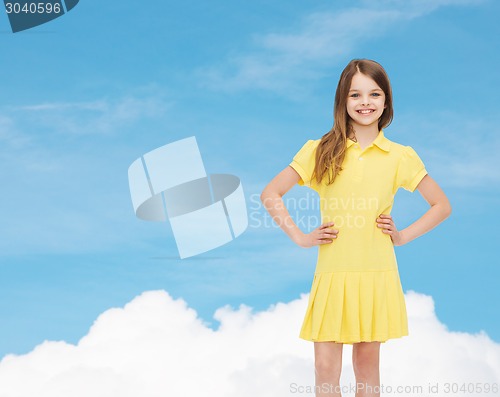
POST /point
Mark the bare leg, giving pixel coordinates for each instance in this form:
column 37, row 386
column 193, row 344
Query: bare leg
column 328, row 366
column 366, row 360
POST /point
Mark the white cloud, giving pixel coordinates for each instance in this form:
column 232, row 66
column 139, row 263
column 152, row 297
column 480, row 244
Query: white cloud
column 419, row 7
column 157, row 346
column 102, row 116
column 280, row 61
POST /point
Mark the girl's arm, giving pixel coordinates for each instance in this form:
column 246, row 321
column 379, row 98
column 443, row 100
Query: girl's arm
column 439, row 211
column 272, row 199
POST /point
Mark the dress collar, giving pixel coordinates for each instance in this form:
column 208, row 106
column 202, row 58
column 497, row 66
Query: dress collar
column 381, row 141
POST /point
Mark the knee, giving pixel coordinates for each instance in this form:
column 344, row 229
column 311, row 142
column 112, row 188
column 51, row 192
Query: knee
column 365, row 365
column 325, row 367
column 361, row 368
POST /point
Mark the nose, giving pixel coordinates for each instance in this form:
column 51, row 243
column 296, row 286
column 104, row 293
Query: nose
column 365, row 101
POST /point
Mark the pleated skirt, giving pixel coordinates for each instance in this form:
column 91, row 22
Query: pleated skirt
column 355, row 306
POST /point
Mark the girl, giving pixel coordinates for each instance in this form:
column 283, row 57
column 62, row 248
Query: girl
column 356, row 295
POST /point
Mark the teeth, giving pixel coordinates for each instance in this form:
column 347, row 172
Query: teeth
column 365, row 111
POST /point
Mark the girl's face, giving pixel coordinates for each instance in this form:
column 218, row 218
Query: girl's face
column 365, row 101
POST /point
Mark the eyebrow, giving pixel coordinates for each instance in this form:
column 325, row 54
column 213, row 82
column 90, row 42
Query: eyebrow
column 376, row 89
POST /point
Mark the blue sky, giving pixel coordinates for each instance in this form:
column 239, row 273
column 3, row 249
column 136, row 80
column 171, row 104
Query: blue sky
column 85, row 95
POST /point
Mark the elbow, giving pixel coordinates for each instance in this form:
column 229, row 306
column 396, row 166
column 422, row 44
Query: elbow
column 447, row 209
column 444, row 209
column 268, row 194
column 263, row 195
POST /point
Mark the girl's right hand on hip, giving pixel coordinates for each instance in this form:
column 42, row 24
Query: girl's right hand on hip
column 324, row 234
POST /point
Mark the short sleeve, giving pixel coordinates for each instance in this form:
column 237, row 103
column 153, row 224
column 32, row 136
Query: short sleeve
column 411, row 170
column 304, row 161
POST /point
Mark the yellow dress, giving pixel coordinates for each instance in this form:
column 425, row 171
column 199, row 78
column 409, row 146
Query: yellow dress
column 356, row 293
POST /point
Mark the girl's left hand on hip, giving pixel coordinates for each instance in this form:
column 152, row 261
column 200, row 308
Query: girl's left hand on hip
column 387, row 225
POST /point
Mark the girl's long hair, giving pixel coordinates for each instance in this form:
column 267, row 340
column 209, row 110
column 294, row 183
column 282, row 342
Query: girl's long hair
column 331, row 149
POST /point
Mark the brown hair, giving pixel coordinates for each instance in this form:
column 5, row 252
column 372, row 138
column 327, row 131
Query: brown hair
column 331, row 149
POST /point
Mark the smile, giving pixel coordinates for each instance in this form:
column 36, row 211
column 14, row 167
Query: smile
column 365, row 111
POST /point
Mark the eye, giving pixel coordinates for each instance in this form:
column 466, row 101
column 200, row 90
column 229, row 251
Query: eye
column 376, row 94
column 354, row 95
